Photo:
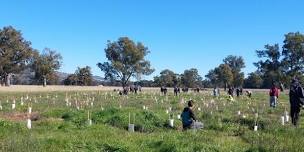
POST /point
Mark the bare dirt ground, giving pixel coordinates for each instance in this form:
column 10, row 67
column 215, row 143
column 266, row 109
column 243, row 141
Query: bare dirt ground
column 17, row 116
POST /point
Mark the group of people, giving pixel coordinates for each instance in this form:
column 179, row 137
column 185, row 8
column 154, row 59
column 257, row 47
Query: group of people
column 177, row 90
column 296, row 98
column 132, row 89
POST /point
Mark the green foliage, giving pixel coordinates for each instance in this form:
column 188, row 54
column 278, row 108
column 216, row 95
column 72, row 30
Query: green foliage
column 254, row 80
column 45, row 66
column 64, row 128
column 167, row 78
column 293, row 54
column 15, row 53
column 236, row 63
column 191, row 78
column 126, row 60
column 82, row 77
column 282, row 65
column 224, row 73
column 72, row 79
column 269, row 69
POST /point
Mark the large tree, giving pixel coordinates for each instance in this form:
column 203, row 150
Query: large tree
column 84, row 76
column 126, row 59
column 71, row 80
column 15, row 53
column 191, row 78
column 270, row 67
column 225, row 75
column 293, row 55
column 212, row 77
column 45, row 65
column 236, row 63
column 254, row 80
column 167, row 78
column 220, row 76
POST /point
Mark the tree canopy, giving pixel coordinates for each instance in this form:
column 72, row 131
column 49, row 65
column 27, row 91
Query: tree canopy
column 15, row 53
column 126, row 59
column 46, row 64
column 191, row 78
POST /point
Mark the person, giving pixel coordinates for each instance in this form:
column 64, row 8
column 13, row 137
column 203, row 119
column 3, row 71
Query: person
column 238, row 92
column 185, row 89
column 163, row 90
column 248, row 93
column 230, row 91
column 135, row 89
column 215, row 92
column 197, row 90
column 125, row 90
column 176, row 91
column 188, row 116
column 139, row 88
column 296, row 96
column 274, row 95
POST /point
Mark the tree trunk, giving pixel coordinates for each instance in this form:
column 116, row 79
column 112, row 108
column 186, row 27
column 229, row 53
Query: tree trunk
column 44, row 81
column 8, row 80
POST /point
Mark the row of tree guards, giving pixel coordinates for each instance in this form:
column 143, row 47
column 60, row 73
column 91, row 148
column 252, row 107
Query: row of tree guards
column 90, row 103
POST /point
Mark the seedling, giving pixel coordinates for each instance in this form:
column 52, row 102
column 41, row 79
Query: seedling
column 171, row 123
column 282, row 120
column 131, row 126
column 29, row 123
column 14, row 105
column 286, row 116
column 256, row 122
column 171, row 120
column 167, row 111
column 29, row 110
column 255, row 128
column 89, row 119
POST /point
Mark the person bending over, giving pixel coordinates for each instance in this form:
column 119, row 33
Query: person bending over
column 188, row 117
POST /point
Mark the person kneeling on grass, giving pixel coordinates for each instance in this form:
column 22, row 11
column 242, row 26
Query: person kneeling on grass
column 188, row 118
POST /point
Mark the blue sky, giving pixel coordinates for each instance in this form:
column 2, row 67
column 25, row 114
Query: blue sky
column 180, row 34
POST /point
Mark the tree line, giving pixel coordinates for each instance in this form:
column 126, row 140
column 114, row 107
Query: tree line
column 17, row 56
column 126, row 61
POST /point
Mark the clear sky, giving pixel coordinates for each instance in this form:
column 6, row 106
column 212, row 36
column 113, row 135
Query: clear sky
column 180, row 34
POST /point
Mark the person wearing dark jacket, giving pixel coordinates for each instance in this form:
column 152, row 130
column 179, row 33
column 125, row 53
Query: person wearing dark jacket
column 176, row 91
column 188, row 117
column 296, row 100
column 230, row 91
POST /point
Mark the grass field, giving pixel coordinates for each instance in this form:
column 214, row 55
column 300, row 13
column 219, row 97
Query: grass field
column 60, row 122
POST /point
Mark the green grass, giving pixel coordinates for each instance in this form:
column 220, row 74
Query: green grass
column 64, row 128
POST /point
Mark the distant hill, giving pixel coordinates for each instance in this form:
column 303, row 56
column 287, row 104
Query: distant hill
column 26, row 76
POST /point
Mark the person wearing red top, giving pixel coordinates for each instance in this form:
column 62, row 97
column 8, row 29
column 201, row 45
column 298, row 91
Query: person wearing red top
column 274, row 95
